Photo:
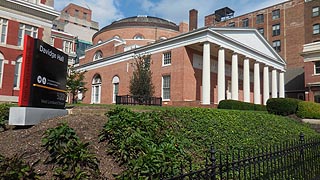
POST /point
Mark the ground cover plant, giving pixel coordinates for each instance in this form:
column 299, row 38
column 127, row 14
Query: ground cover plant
column 4, row 116
column 145, row 142
column 70, row 156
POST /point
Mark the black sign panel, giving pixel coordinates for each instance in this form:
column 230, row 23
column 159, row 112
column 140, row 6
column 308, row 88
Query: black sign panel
column 48, row 77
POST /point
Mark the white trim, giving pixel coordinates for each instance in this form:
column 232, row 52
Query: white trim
column 163, row 99
column 1, row 70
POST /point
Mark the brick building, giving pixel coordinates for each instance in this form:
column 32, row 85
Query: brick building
column 287, row 26
column 73, row 30
column 18, row 18
column 198, row 67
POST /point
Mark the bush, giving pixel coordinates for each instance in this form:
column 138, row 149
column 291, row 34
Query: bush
column 16, row 168
column 72, row 157
column 308, row 110
column 282, row 106
column 4, row 115
column 239, row 105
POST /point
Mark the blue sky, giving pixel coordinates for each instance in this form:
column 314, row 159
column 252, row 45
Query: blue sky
column 107, row 11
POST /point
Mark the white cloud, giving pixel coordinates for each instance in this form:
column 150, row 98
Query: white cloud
column 104, row 11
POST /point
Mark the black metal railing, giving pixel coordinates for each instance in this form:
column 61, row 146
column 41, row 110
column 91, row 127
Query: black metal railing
column 139, row 100
column 298, row 159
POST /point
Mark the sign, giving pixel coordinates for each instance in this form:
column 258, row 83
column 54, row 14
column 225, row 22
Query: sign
column 43, row 75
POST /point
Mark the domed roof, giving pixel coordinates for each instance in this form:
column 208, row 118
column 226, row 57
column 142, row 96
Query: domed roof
column 140, row 21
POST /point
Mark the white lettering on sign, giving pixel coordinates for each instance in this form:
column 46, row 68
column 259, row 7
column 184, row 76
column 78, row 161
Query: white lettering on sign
column 51, row 54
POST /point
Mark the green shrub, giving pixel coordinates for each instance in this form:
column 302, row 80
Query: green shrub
column 16, row 168
column 141, row 141
column 4, row 115
column 282, row 106
column 71, row 157
column 308, row 110
column 239, row 105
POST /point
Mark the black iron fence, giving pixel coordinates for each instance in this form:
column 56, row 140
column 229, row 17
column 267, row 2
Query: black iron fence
column 139, row 100
column 292, row 160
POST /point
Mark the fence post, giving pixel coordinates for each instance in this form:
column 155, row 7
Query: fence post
column 301, row 139
column 213, row 163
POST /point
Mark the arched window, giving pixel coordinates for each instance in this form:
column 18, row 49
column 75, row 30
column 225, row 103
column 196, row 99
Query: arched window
column 98, row 55
column 162, row 38
column 115, row 82
column 17, row 73
column 116, row 36
column 96, row 89
column 1, row 68
column 138, row 37
column 100, row 41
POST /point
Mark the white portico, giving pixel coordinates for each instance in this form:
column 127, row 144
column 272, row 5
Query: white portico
column 252, row 61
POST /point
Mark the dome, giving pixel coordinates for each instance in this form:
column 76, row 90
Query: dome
column 146, row 21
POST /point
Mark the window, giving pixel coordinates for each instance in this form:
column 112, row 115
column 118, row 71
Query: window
column 315, row 11
column 316, row 29
column 317, row 96
column 276, row 14
column 245, row 22
column 97, row 56
column 276, row 30
column 17, row 73
column 3, row 30
column 138, row 37
column 276, row 45
column 166, row 58
column 317, row 67
column 52, row 41
column 166, row 87
column 232, row 24
column 25, row 29
column 261, row 31
column 162, row 38
column 115, row 82
column 96, row 89
column 67, row 46
column 76, row 13
column 260, row 18
column 85, row 15
column 1, row 68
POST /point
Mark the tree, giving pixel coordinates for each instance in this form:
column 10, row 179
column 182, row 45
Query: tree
column 75, row 83
column 141, row 81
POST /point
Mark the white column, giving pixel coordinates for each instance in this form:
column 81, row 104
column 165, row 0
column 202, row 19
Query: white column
column 281, row 85
column 266, row 88
column 221, row 75
column 206, row 74
column 234, row 77
column 246, row 80
column 256, row 84
column 274, row 84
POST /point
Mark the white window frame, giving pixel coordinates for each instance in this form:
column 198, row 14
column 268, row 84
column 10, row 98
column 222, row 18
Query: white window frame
column 165, row 88
column 316, row 67
column 3, row 30
column 315, row 11
column 138, row 37
column 316, row 29
column 17, row 73
column 276, row 45
column 115, row 82
column 67, row 46
column 276, row 31
column 97, row 55
column 166, row 59
column 1, row 69
column 23, row 29
column 276, row 14
column 96, row 86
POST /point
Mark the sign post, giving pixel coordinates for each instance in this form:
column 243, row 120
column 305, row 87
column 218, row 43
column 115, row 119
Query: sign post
column 43, row 84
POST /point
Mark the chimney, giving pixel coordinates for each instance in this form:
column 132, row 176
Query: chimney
column 193, row 19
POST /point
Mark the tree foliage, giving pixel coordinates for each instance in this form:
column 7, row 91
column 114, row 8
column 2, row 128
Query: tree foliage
column 75, row 83
column 141, row 81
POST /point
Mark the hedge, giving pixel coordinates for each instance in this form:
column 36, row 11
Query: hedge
column 308, row 110
column 282, row 106
column 239, row 105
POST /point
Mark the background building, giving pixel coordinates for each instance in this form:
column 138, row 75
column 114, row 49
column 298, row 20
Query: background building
column 287, row 26
column 73, row 31
column 18, row 18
